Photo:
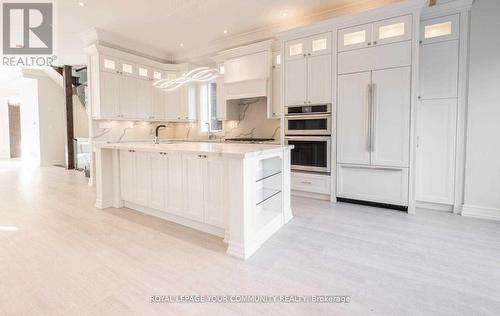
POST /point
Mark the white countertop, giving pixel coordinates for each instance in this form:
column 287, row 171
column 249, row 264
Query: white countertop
column 230, row 150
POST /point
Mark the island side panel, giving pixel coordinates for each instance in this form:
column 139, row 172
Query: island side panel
column 107, row 178
column 287, row 209
column 241, row 208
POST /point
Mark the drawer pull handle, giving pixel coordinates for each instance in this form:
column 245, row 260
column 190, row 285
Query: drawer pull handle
column 306, row 182
column 202, row 156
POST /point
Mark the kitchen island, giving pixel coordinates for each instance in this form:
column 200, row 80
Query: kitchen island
column 240, row 192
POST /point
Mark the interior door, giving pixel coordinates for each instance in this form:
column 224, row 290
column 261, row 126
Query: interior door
column 353, row 123
column 158, row 180
column 127, row 175
column 390, row 133
column 296, row 81
column 128, row 96
column 319, row 79
column 193, row 186
column 110, row 94
column 436, row 130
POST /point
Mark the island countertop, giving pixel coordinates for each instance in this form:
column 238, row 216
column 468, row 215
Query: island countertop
column 229, row 150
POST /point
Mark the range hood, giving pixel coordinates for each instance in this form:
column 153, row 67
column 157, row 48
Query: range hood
column 247, row 71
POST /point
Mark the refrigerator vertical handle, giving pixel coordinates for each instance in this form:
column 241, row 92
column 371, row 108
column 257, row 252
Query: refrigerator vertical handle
column 372, row 118
column 369, row 118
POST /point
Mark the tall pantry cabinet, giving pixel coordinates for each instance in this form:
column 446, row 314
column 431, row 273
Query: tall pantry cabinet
column 373, row 112
column 440, row 111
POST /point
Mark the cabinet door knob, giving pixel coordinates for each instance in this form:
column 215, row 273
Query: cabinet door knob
column 369, row 43
column 375, row 43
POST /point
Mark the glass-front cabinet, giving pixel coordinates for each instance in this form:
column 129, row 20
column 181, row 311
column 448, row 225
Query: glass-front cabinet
column 372, row 34
column 440, row 29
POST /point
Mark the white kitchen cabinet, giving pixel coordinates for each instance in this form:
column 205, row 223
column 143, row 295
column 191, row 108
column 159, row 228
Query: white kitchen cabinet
column 215, row 191
column 193, row 175
column 109, row 92
column 173, row 182
column 392, row 30
column 144, row 99
column 157, row 104
column 128, row 97
column 375, row 184
column 296, row 81
column 319, row 79
column 127, row 175
column 310, row 182
column 436, row 132
column 440, row 29
column 308, row 76
column 439, row 70
column 277, row 98
column 142, row 180
column 353, row 118
column 438, row 111
column 159, row 181
column 381, row 32
column 378, row 57
column 390, row 125
column 355, row 37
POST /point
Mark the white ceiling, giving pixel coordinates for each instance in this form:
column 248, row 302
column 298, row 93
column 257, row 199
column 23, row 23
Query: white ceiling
column 157, row 27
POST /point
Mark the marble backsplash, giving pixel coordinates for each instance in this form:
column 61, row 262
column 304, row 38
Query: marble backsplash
column 253, row 123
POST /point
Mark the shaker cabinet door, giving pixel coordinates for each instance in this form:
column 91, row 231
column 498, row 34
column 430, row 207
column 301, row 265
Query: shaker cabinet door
column 296, row 82
column 127, row 175
column 353, row 118
column 193, row 187
column 390, row 134
column 319, row 79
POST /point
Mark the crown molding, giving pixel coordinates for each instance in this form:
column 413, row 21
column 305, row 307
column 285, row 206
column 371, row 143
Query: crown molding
column 97, row 36
column 455, row 6
column 269, row 32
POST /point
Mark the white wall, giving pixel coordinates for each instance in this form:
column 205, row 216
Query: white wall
column 4, row 128
column 482, row 176
column 48, row 105
column 30, row 139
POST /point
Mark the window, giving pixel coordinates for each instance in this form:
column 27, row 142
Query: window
column 208, row 108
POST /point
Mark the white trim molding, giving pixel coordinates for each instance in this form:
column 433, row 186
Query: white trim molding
column 481, row 212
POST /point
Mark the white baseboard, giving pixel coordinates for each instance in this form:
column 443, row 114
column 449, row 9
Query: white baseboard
column 206, row 228
column 481, row 212
column 435, row 206
column 317, row 196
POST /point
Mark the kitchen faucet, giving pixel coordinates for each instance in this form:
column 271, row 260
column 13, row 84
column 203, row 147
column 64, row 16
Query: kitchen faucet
column 156, row 140
column 209, row 133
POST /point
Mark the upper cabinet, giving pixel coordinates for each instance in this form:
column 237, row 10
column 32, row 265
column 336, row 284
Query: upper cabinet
column 440, row 29
column 372, row 34
column 308, row 70
column 277, row 98
column 122, row 89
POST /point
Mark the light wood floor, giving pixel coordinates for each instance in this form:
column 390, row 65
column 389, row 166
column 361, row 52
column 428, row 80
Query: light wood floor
column 68, row 258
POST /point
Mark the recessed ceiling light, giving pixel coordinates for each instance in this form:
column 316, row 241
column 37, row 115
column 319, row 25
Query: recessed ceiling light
column 82, row 4
column 181, row 44
column 225, row 31
column 284, row 14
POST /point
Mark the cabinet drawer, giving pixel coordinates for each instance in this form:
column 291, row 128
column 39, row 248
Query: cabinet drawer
column 378, row 57
column 314, row 183
column 382, row 185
